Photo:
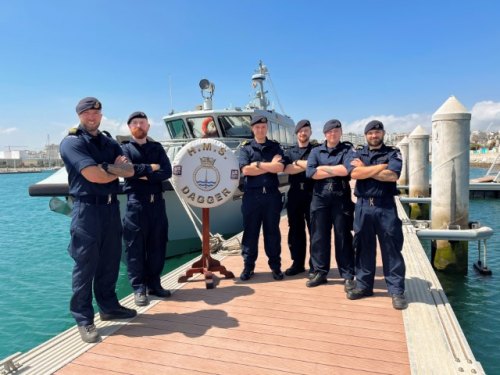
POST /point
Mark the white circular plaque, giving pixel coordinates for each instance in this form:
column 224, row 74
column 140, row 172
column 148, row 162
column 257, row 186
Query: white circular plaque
column 205, row 173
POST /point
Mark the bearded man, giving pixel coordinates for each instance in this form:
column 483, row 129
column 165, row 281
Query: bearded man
column 145, row 224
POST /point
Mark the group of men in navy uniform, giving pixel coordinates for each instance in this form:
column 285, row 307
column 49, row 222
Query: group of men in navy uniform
column 94, row 162
column 319, row 198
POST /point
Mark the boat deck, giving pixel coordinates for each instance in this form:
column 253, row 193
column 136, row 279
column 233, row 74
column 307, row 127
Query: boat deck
column 264, row 326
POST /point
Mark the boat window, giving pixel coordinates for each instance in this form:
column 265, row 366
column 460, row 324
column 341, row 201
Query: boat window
column 177, row 129
column 236, row 126
column 283, row 138
column 204, row 127
column 290, row 132
column 275, row 131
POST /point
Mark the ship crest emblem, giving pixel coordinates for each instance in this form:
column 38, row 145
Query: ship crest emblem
column 206, row 176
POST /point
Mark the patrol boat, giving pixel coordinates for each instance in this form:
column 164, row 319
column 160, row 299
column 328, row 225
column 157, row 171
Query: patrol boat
column 232, row 127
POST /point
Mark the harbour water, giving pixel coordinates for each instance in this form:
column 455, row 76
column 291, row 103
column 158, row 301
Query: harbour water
column 35, row 274
column 35, row 268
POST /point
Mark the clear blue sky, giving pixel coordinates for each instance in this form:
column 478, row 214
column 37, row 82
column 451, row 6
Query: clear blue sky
column 394, row 60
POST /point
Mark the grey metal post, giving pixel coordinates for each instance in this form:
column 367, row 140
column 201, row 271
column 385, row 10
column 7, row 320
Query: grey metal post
column 450, row 181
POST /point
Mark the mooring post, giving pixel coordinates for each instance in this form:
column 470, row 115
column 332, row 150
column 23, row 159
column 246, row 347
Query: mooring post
column 403, row 147
column 450, row 182
column 418, row 171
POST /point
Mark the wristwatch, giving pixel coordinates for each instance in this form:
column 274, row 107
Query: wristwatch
column 104, row 166
column 257, row 164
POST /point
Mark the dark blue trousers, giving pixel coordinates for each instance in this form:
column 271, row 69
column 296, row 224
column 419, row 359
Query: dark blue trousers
column 382, row 222
column 145, row 232
column 299, row 215
column 261, row 209
column 96, row 248
column 332, row 208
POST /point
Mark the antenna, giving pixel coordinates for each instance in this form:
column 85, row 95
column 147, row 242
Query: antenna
column 170, row 91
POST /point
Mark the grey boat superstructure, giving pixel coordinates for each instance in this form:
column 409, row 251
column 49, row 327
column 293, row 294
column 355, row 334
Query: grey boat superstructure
column 231, row 126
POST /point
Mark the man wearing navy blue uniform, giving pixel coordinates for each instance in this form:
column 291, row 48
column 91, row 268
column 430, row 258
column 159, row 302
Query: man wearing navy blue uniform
column 377, row 168
column 299, row 197
column 260, row 160
column 329, row 165
column 145, row 224
column 94, row 161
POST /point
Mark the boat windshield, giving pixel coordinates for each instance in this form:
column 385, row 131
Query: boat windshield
column 228, row 126
column 236, row 126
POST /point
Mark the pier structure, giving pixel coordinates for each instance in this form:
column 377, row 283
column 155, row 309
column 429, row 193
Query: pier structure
column 272, row 327
column 418, row 171
column 403, row 147
column 450, row 182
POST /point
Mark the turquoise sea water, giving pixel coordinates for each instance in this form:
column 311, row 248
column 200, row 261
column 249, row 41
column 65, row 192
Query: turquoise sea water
column 35, row 274
column 35, row 268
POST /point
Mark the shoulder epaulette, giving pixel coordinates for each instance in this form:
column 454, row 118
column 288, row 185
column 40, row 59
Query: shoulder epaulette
column 272, row 140
column 244, row 143
column 106, row 133
column 314, row 143
column 359, row 147
column 347, row 143
column 125, row 141
column 74, row 131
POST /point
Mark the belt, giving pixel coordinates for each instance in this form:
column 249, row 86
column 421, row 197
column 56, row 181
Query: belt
column 262, row 190
column 300, row 186
column 146, row 198
column 376, row 201
column 97, row 199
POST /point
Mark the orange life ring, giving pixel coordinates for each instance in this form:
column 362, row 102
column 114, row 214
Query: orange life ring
column 204, row 126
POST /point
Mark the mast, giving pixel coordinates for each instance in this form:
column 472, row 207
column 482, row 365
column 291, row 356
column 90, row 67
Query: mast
column 258, row 83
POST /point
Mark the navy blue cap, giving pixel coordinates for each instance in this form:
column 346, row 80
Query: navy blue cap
column 256, row 119
column 332, row 124
column 88, row 103
column 374, row 125
column 137, row 114
column 301, row 124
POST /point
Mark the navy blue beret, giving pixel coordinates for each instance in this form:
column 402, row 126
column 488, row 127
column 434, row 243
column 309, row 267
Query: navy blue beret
column 137, row 114
column 374, row 125
column 88, row 103
column 332, row 124
column 301, row 124
column 256, row 119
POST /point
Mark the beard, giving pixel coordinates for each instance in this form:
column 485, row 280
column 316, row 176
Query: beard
column 375, row 142
column 139, row 133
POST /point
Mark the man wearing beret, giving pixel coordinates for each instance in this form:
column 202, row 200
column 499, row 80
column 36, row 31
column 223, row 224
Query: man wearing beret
column 260, row 161
column 94, row 161
column 329, row 165
column 145, row 224
column 299, row 197
column 377, row 168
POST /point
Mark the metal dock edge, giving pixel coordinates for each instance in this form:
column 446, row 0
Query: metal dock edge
column 436, row 343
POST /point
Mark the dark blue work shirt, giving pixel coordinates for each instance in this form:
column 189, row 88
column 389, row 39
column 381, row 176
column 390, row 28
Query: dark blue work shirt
column 252, row 151
column 341, row 154
column 371, row 188
column 299, row 153
column 81, row 150
column 142, row 156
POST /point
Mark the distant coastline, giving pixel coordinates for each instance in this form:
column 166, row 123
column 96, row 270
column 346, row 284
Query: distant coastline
column 25, row 170
column 483, row 160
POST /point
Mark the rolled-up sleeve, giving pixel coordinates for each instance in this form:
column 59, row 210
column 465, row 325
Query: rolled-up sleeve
column 312, row 163
column 395, row 162
column 244, row 157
